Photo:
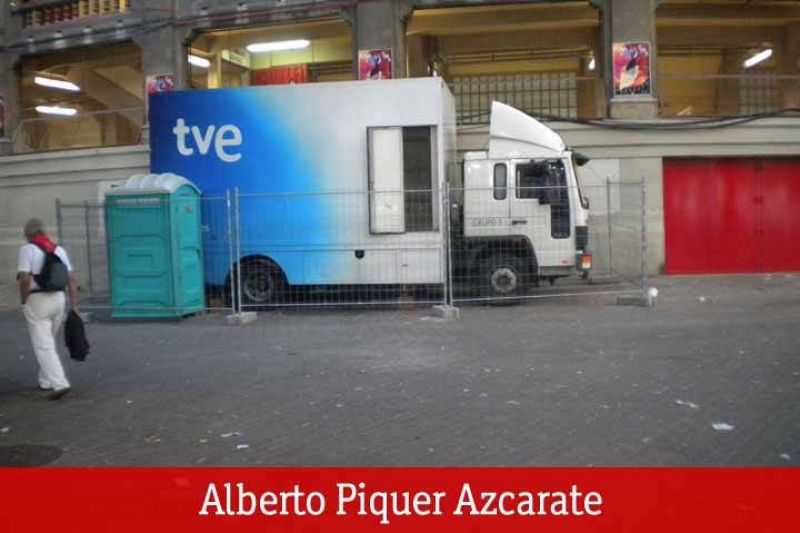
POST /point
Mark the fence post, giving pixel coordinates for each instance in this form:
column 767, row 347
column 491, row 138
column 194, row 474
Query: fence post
column 608, row 222
column 59, row 231
column 238, row 219
column 88, row 247
column 448, row 255
column 229, row 238
column 644, row 240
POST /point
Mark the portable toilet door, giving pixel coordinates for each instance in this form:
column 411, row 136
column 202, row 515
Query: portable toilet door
column 155, row 259
column 187, row 249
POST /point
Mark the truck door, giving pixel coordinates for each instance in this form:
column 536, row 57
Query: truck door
column 540, row 209
column 486, row 209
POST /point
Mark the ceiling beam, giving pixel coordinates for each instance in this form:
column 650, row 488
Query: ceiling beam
column 718, row 37
column 519, row 40
column 727, row 15
column 494, row 19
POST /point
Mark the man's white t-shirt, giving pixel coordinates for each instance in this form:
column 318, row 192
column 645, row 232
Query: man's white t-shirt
column 31, row 261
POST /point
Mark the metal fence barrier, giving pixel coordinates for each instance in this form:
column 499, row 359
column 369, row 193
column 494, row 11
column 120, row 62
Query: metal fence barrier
column 398, row 247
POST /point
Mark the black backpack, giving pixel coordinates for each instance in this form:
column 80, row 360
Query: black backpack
column 54, row 274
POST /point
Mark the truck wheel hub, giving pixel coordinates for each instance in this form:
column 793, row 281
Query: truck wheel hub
column 257, row 288
column 504, row 280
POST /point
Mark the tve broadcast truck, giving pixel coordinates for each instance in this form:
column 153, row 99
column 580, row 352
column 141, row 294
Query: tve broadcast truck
column 341, row 183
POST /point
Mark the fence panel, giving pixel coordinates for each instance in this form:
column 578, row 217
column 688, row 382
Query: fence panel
column 339, row 248
column 516, row 243
column 390, row 247
column 82, row 232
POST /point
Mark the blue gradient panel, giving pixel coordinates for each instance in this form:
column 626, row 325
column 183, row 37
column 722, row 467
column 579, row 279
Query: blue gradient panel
column 276, row 158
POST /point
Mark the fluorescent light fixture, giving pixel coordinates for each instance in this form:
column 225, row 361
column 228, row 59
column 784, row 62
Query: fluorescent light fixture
column 592, row 64
column 758, row 58
column 199, row 61
column 55, row 110
column 56, row 84
column 277, row 46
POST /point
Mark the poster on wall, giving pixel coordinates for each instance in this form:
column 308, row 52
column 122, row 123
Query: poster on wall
column 160, row 83
column 374, row 64
column 631, row 69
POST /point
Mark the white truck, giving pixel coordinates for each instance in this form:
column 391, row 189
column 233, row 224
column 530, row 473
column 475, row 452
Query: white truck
column 342, row 184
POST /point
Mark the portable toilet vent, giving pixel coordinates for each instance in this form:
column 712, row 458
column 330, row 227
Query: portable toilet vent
column 154, row 250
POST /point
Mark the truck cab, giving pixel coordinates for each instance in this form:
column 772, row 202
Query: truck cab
column 522, row 216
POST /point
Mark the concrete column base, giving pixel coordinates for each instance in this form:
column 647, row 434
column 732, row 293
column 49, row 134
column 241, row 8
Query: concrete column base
column 639, row 300
column 5, row 146
column 240, row 319
column 446, row 312
column 628, row 109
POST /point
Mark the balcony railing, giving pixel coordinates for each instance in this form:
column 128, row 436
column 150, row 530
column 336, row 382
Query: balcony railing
column 549, row 94
column 727, row 95
column 36, row 13
column 114, row 127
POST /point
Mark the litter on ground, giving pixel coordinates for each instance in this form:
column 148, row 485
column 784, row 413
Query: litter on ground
column 690, row 405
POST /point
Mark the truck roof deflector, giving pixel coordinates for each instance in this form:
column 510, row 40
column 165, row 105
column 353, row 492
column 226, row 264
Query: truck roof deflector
column 513, row 133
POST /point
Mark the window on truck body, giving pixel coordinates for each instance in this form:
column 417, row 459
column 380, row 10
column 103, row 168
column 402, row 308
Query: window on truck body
column 402, row 182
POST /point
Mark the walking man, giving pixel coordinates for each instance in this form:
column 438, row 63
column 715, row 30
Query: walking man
column 43, row 272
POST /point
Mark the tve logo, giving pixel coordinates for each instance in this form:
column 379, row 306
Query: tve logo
column 227, row 136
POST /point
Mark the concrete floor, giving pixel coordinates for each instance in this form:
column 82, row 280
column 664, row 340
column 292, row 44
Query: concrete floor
column 571, row 381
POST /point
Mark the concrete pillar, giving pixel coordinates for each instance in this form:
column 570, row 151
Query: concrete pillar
column 9, row 92
column 591, row 93
column 417, row 56
column 381, row 24
column 632, row 20
column 728, row 88
column 164, row 51
column 790, row 66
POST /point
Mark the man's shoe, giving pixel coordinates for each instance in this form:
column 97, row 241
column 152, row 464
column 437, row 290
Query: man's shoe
column 57, row 394
column 45, row 388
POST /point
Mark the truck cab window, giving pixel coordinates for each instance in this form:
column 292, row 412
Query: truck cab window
column 500, row 181
column 531, row 181
column 546, row 181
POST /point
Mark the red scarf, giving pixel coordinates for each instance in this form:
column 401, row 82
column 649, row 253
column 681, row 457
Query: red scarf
column 44, row 242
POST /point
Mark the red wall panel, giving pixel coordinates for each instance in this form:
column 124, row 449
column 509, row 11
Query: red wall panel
column 730, row 215
column 280, row 75
column 779, row 238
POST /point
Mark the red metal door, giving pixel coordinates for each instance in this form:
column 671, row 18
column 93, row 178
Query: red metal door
column 731, row 215
column 709, row 217
column 779, row 232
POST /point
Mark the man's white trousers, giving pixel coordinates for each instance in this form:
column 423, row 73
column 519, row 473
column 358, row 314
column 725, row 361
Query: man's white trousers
column 44, row 313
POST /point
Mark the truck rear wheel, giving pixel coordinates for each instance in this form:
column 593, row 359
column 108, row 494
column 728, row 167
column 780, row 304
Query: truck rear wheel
column 263, row 283
column 503, row 276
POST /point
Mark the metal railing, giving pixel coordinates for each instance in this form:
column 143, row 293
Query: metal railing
column 546, row 94
column 727, row 95
column 112, row 127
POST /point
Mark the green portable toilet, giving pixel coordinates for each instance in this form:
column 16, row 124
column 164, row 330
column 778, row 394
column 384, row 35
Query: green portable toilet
column 154, row 247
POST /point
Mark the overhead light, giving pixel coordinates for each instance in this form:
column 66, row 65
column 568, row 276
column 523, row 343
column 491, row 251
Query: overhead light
column 55, row 110
column 199, row 61
column 758, row 58
column 592, row 64
column 56, row 84
column 277, row 46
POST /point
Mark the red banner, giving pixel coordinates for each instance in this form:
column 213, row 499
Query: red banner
column 398, row 499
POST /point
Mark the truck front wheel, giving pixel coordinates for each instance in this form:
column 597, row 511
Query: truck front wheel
column 503, row 276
